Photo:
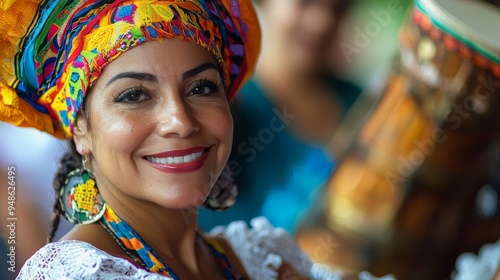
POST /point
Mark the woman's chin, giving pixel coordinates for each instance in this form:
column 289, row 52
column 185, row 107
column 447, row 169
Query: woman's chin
column 183, row 200
column 304, row 61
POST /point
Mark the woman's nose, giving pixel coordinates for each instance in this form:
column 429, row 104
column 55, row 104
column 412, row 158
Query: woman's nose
column 177, row 118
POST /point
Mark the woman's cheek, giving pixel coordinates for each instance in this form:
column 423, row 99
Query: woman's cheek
column 225, row 130
column 123, row 133
column 223, row 119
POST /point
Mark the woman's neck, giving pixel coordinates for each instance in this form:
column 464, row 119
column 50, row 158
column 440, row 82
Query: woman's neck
column 171, row 233
column 279, row 78
column 285, row 85
column 275, row 65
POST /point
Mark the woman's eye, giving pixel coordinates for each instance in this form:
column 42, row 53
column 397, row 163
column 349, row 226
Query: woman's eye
column 205, row 87
column 133, row 95
column 203, row 90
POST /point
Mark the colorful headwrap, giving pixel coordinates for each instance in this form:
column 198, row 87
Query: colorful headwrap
column 51, row 52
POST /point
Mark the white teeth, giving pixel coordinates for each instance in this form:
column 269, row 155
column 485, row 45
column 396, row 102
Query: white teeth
column 176, row 160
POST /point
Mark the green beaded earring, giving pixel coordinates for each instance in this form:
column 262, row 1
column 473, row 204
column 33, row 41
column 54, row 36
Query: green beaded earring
column 79, row 199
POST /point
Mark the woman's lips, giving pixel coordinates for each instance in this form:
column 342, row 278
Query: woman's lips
column 180, row 160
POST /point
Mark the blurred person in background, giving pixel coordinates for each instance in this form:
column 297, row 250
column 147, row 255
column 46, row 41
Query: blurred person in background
column 288, row 113
column 34, row 156
column 20, row 234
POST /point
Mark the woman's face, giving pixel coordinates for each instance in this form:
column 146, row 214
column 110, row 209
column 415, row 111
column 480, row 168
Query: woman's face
column 157, row 125
column 303, row 30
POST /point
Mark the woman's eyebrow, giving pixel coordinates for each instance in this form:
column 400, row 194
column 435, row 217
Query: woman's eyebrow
column 134, row 75
column 152, row 78
column 198, row 69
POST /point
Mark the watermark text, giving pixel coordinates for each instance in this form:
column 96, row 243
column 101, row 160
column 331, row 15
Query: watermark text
column 11, row 218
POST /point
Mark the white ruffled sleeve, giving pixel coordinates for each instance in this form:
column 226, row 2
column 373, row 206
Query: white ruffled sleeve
column 73, row 259
column 478, row 267
column 262, row 249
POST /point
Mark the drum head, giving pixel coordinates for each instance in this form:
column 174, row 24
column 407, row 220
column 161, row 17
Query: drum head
column 474, row 22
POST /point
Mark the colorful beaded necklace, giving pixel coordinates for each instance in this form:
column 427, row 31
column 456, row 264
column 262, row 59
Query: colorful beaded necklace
column 145, row 256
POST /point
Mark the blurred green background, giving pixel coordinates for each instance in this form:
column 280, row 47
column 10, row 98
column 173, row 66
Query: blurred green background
column 371, row 61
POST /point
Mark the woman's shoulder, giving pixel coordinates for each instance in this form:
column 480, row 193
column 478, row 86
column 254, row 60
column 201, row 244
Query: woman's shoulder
column 72, row 259
column 262, row 249
column 484, row 265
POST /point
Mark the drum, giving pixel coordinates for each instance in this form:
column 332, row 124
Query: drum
column 404, row 194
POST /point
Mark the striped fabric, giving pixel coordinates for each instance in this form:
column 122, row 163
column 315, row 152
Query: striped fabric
column 54, row 50
column 140, row 250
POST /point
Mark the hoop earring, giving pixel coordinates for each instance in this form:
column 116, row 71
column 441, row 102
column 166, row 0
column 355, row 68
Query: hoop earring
column 79, row 198
column 224, row 192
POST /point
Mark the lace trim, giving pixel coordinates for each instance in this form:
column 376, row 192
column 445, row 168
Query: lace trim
column 72, row 259
column 484, row 265
column 261, row 249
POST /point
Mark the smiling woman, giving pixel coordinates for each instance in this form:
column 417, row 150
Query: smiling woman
column 158, row 131
column 141, row 90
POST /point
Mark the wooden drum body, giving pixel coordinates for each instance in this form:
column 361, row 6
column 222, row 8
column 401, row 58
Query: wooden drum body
column 403, row 198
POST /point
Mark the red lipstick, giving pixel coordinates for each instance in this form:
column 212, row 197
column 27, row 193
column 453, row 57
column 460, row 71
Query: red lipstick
column 179, row 161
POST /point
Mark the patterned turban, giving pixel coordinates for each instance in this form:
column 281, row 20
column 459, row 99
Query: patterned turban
column 51, row 52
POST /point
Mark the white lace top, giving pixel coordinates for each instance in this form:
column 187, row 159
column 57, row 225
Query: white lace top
column 484, row 265
column 261, row 250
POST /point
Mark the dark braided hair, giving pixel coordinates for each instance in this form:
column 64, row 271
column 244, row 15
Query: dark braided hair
column 69, row 162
